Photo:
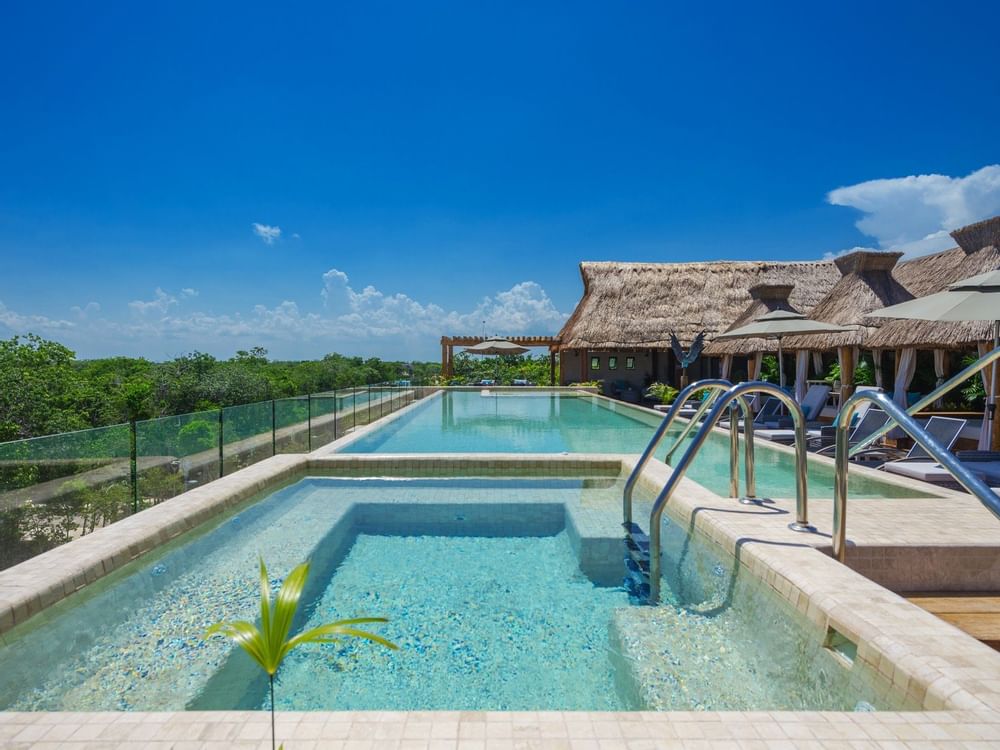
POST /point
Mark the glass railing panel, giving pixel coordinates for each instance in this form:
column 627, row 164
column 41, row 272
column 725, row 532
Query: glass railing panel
column 175, row 454
column 291, row 419
column 324, row 419
column 246, row 434
column 59, row 487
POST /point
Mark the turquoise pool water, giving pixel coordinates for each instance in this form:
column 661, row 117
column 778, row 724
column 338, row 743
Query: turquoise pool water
column 468, row 422
column 483, row 581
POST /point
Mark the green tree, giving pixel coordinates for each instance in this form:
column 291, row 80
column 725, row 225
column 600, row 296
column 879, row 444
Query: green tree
column 40, row 391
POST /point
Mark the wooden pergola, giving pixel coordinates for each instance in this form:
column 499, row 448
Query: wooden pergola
column 448, row 344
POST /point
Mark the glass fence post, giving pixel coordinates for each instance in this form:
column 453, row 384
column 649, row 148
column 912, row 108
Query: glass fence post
column 221, row 443
column 133, row 456
column 274, row 431
column 335, row 414
column 309, row 424
column 354, row 408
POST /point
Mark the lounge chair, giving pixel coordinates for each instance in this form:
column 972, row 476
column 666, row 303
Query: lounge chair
column 874, row 419
column 986, row 468
column 781, row 429
column 918, row 463
column 768, row 413
column 688, row 410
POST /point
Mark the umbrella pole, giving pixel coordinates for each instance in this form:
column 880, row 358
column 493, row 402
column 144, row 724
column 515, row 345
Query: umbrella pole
column 781, row 366
column 781, row 372
column 992, row 408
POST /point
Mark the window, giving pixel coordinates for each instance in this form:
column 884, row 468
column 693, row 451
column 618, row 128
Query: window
column 629, row 363
column 612, row 363
column 595, row 363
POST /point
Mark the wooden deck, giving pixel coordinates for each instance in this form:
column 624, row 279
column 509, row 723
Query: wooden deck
column 978, row 614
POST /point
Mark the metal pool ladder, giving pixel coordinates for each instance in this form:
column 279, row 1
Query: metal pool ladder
column 897, row 417
column 644, row 551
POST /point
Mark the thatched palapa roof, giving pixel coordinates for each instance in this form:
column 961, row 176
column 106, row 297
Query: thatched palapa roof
column 866, row 283
column 766, row 298
column 978, row 251
column 637, row 305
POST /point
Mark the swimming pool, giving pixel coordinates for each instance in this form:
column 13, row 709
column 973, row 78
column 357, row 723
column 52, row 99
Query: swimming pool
column 469, row 422
column 501, row 593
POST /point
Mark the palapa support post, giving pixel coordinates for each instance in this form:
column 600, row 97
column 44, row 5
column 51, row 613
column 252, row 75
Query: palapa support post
column 845, row 354
column 552, row 367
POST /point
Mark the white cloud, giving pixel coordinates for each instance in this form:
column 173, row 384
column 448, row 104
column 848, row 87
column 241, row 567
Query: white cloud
column 188, row 292
column 160, row 303
column 20, row 323
column 91, row 308
column 524, row 308
column 266, row 232
column 915, row 214
column 296, row 236
column 366, row 322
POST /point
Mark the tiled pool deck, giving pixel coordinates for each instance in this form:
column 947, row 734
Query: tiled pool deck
column 910, row 544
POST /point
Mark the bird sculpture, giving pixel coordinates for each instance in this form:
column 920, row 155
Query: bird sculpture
column 686, row 359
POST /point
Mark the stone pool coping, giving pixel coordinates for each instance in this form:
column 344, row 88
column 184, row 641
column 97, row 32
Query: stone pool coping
column 928, row 662
column 496, row 730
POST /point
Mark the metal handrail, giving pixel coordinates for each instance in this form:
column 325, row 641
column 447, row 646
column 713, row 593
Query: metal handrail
column 949, row 385
column 801, row 522
column 716, row 386
column 923, row 438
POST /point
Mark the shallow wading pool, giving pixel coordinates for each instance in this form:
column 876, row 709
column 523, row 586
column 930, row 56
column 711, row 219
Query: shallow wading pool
column 503, row 594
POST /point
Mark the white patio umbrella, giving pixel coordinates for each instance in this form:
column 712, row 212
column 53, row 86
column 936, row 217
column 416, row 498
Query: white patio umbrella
column 975, row 298
column 778, row 324
column 498, row 347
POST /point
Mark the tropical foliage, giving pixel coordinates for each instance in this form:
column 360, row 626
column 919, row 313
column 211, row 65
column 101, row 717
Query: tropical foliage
column 45, row 389
column 268, row 641
column 504, row 370
column 662, row 392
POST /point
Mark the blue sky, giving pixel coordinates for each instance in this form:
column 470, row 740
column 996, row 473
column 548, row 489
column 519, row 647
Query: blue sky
column 430, row 165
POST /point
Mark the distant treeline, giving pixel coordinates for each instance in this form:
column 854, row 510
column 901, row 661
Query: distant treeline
column 45, row 389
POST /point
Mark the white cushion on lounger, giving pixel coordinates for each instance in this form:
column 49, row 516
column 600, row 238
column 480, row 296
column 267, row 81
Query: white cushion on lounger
column 927, row 471
column 783, row 436
column 988, row 469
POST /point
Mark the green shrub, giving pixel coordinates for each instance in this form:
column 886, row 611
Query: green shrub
column 662, row 392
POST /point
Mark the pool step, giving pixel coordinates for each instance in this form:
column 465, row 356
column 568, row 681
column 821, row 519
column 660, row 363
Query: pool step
column 636, row 561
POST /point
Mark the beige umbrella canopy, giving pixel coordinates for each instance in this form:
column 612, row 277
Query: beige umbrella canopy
column 777, row 325
column 496, row 346
column 499, row 347
column 975, row 298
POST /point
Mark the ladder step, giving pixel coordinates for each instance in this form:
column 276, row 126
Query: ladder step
column 637, row 566
column 639, row 544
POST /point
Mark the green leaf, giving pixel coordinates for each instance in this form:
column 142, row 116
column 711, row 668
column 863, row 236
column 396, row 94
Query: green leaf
column 269, row 643
column 286, row 606
column 249, row 638
column 330, row 632
column 265, row 598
